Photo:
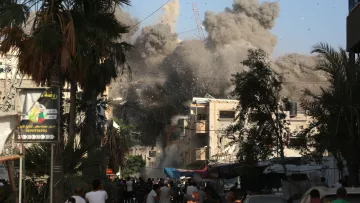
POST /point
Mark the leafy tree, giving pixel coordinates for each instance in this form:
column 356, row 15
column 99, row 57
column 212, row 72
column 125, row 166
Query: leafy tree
column 261, row 124
column 335, row 110
column 117, row 141
column 132, row 165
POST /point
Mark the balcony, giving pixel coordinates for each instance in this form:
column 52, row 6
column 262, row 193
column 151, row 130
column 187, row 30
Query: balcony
column 353, row 30
column 201, row 126
column 197, row 154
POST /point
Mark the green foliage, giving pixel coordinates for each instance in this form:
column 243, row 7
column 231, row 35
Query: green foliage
column 132, row 165
column 336, row 124
column 118, row 140
column 127, row 132
column 261, row 125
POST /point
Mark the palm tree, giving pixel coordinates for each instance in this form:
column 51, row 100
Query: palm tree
column 46, row 51
column 73, row 39
column 336, row 125
column 99, row 56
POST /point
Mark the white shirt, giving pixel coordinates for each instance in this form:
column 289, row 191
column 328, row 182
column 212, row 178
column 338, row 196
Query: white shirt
column 129, row 186
column 151, row 197
column 99, row 196
column 78, row 199
column 165, row 194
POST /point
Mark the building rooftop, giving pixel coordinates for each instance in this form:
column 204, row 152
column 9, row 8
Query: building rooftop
column 202, row 100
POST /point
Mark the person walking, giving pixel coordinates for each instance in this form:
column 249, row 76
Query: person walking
column 165, row 196
column 98, row 195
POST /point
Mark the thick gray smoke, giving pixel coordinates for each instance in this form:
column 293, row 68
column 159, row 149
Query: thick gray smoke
column 168, row 73
column 127, row 20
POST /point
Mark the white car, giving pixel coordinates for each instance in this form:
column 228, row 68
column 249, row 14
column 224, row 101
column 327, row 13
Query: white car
column 265, row 199
column 329, row 194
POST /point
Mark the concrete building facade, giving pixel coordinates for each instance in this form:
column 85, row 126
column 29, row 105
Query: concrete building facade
column 353, row 27
column 150, row 154
column 209, row 117
column 201, row 133
column 297, row 122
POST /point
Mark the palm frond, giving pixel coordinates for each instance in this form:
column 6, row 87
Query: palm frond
column 13, row 15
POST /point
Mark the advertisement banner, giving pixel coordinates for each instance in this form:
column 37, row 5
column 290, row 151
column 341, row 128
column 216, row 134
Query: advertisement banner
column 40, row 117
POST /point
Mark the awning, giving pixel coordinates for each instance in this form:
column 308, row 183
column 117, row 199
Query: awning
column 223, row 171
column 296, row 169
column 177, row 173
column 172, row 173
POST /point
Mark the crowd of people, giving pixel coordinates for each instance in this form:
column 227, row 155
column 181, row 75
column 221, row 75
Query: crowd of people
column 138, row 190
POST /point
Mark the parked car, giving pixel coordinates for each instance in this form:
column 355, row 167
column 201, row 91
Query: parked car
column 265, row 199
column 329, row 194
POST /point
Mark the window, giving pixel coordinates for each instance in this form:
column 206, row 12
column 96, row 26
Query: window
column 201, row 117
column 152, row 164
column 227, row 114
column 297, row 141
column 152, row 153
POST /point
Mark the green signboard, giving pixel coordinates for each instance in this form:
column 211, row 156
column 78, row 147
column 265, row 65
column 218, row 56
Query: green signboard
column 40, row 118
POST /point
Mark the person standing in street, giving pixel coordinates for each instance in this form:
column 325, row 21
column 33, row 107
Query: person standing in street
column 152, row 197
column 129, row 190
column 341, row 195
column 78, row 196
column 98, row 195
column 165, row 196
column 141, row 191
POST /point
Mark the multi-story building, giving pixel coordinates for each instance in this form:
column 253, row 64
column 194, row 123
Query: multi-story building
column 298, row 120
column 353, row 28
column 150, row 154
column 209, row 117
column 202, row 137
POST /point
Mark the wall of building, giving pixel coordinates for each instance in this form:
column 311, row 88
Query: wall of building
column 297, row 123
column 220, row 119
column 209, row 118
column 150, row 154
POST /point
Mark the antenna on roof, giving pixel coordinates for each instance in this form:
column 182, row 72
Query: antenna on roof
column 208, row 96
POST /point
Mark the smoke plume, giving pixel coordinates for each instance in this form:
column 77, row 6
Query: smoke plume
column 171, row 13
column 167, row 73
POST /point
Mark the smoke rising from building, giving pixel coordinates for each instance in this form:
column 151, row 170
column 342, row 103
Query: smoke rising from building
column 168, row 73
column 171, row 12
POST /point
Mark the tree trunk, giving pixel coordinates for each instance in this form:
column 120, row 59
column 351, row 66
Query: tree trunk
column 55, row 80
column 95, row 164
column 10, row 167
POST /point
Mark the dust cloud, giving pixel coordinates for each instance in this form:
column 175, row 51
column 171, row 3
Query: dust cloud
column 171, row 13
column 168, row 72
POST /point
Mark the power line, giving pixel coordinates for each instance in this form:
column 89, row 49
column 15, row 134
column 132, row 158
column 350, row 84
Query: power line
column 150, row 15
column 180, row 33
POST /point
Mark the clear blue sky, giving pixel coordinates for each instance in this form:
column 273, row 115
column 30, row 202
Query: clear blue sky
column 301, row 23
